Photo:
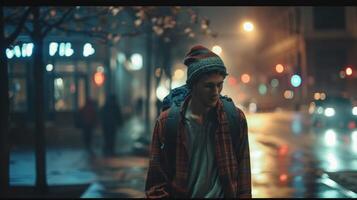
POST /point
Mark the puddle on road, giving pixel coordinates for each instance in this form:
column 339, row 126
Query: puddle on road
column 287, row 173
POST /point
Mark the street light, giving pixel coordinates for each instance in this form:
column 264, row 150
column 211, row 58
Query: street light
column 217, row 49
column 349, row 71
column 248, row 26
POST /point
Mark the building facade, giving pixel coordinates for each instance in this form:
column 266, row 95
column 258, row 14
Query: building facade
column 316, row 43
column 76, row 68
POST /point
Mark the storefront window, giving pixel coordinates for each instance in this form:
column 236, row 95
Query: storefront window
column 82, row 67
column 64, row 67
column 18, row 68
column 17, row 95
column 64, row 89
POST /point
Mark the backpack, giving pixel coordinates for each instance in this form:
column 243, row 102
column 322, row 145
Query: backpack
column 173, row 101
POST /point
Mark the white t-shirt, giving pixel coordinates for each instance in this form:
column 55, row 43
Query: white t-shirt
column 203, row 177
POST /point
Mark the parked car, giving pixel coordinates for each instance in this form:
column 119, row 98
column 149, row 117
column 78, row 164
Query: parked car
column 334, row 111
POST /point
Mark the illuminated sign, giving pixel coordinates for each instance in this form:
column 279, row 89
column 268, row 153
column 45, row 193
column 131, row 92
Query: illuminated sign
column 62, row 49
column 24, row 51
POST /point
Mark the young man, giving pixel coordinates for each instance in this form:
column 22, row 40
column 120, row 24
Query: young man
column 206, row 163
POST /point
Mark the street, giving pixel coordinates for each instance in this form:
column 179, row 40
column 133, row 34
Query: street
column 288, row 159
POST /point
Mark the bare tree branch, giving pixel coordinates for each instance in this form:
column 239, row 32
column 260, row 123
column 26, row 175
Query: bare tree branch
column 88, row 17
column 85, row 32
column 13, row 14
column 100, row 35
column 60, row 21
column 21, row 25
column 28, row 31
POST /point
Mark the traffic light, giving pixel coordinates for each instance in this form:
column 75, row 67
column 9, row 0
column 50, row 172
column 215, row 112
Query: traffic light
column 295, row 80
column 279, row 68
column 245, row 78
column 99, row 78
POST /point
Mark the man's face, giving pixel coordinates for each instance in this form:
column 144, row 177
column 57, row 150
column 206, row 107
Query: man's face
column 208, row 88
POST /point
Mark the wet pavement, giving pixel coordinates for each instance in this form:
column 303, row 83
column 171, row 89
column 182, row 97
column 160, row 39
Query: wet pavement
column 121, row 175
column 287, row 160
column 118, row 177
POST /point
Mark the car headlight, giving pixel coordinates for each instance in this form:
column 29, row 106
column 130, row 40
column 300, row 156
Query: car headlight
column 329, row 112
column 354, row 110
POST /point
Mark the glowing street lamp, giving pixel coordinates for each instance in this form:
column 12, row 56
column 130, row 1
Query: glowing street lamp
column 248, row 26
column 217, row 49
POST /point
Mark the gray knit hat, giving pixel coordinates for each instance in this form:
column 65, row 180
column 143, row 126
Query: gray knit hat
column 200, row 60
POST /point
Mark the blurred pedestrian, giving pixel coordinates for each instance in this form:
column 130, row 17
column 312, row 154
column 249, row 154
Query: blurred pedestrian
column 88, row 121
column 111, row 119
column 139, row 106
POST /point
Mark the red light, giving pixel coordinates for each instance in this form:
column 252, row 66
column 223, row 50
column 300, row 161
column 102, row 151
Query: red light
column 352, row 125
column 72, row 88
column 283, row 150
column 232, row 81
column 283, row 177
column 99, row 78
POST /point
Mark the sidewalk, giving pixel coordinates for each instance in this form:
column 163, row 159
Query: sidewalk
column 122, row 175
column 345, row 180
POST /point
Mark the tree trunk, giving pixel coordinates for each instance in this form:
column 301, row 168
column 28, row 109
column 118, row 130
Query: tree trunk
column 148, row 80
column 40, row 140
column 4, row 114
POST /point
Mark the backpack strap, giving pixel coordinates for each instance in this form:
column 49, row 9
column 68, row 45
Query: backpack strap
column 230, row 110
column 170, row 138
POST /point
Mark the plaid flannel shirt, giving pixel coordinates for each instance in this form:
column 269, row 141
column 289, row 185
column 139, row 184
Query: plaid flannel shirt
column 233, row 168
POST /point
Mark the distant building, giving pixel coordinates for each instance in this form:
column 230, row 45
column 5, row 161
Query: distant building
column 318, row 43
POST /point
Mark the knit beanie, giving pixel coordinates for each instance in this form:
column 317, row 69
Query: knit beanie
column 200, row 60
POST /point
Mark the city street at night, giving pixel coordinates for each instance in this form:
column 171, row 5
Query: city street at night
column 91, row 98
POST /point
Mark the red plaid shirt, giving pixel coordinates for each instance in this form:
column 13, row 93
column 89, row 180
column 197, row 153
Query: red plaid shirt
column 233, row 168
